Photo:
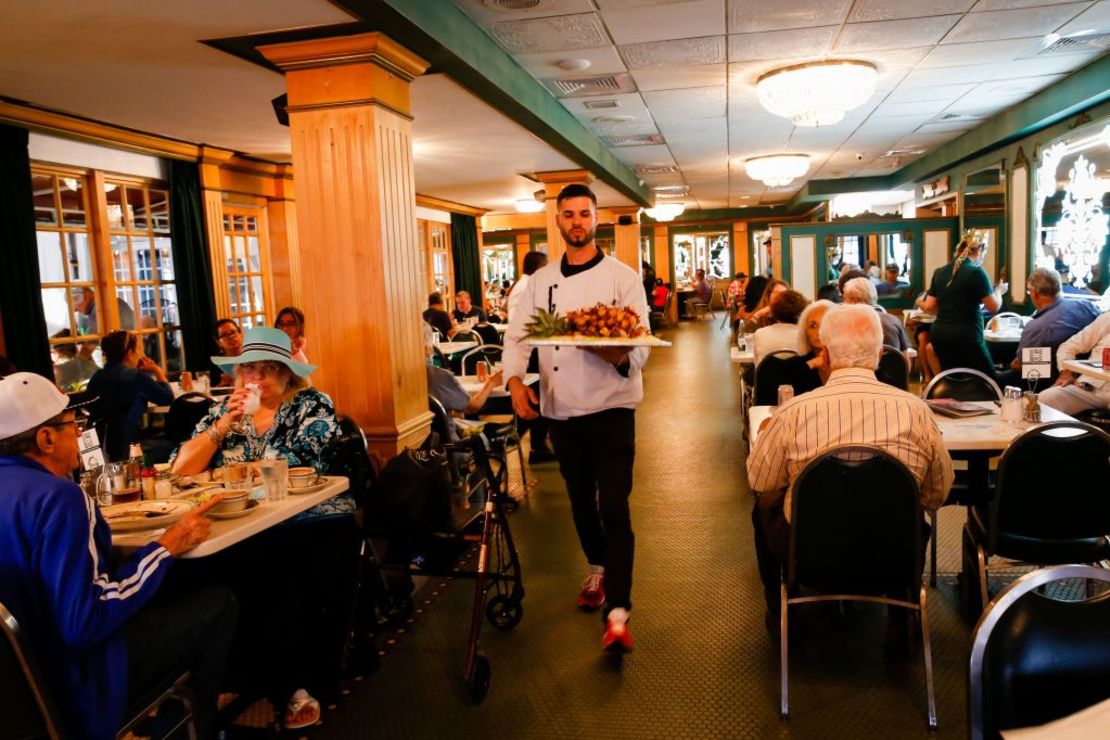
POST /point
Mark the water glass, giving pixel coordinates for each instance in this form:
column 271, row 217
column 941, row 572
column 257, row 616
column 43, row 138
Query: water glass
column 275, row 481
column 786, row 392
column 237, row 476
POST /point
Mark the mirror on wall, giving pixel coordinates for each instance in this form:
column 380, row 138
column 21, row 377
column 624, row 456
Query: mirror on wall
column 1072, row 203
column 703, row 251
column 886, row 256
column 984, row 210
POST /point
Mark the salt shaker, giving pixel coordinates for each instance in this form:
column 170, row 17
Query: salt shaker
column 1012, row 408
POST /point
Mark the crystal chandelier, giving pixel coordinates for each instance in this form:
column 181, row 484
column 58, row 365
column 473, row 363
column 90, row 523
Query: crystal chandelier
column 817, row 93
column 776, row 170
column 666, row 211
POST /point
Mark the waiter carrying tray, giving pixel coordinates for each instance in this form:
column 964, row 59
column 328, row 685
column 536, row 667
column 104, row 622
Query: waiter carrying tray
column 590, row 397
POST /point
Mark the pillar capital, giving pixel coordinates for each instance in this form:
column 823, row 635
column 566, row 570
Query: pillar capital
column 362, row 48
column 363, row 69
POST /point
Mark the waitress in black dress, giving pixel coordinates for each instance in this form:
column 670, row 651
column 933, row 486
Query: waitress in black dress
column 954, row 296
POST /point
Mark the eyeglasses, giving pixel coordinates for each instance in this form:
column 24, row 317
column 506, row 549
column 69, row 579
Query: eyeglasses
column 288, row 324
column 262, row 368
column 79, row 424
column 228, row 334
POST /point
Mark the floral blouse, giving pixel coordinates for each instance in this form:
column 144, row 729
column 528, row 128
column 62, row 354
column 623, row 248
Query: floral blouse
column 302, row 430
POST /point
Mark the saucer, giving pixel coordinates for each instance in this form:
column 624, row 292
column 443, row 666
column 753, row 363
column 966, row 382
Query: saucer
column 251, row 506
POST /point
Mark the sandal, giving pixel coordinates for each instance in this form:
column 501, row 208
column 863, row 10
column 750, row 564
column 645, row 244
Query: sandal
column 303, row 711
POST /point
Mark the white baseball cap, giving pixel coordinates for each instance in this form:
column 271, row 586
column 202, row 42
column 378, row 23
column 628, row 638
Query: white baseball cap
column 27, row 400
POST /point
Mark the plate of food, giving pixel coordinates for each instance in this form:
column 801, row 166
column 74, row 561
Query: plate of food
column 141, row 515
column 594, row 326
column 300, row 490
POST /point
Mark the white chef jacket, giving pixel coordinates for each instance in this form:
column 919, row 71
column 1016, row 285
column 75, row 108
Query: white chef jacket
column 573, row 381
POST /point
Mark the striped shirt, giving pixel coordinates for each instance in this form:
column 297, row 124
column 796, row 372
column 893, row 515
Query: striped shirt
column 852, row 408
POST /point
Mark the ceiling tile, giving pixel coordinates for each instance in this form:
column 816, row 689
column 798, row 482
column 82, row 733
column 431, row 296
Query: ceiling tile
column 676, row 52
column 1043, row 65
column 604, row 60
column 772, row 44
column 918, row 93
column 747, row 16
column 894, row 34
column 1097, row 18
column 694, row 102
column 623, row 4
column 887, row 10
column 652, row 154
column 484, row 14
column 946, row 127
column 580, row 31
column 666, row 21
column 949, row 75
column 922, row 108
column 987, row 5
column 1016, row 87
column 999, row 52
column 1012, row 24
column 673, row 78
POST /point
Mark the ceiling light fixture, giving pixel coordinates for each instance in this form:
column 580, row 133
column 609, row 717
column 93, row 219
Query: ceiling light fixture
column 573, row 65
column 666, row 211
column 776, row 170
column 530, row 205
column 817, row 93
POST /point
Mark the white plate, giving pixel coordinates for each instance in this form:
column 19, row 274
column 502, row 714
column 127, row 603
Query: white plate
column 573, row 340
column 320, row 483
column 141, row 515
column 251, row 506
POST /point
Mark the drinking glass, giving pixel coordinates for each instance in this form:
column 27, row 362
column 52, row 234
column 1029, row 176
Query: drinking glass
column 237, row 476
column 253, row 402
column 274, row 479
column 114, row 486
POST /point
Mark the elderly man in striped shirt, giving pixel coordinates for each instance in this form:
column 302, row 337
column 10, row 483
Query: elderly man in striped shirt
column 851, row 408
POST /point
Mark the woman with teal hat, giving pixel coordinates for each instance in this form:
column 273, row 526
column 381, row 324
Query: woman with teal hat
column 288, row 631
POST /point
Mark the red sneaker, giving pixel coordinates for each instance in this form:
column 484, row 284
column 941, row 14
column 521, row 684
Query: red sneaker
column 617, row 638
column 592, row 595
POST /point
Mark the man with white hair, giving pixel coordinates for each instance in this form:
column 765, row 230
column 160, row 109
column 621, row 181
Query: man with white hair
column 852, row 408
column 862, row 291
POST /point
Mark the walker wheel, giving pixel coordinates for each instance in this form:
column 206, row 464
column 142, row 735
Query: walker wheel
column 477, row 683
column 504, row 612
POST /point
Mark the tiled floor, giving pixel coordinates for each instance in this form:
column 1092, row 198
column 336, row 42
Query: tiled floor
column 703, row 665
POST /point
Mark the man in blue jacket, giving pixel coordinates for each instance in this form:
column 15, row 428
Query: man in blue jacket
column 102, row 636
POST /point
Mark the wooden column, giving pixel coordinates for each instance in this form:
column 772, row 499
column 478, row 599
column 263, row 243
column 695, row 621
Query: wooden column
column 741, row 261
column 553, row 182
column 211, row 159
column 360, row 260
column 523, row 247
column 627, row 236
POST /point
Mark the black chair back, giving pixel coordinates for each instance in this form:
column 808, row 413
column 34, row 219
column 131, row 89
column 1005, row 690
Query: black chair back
column 1052, row 485
column 963, row 384
column 441, row 420
column 1036, row 659
column 855, row 525
column 488, row 334
column 29, row 711
column 351, row 458
column 466, row 336
column 893, row 368
column 491, row 353
column 774, row 370
column 185, row 413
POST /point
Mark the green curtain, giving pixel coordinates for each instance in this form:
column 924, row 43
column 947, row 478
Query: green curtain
column 25, row 340
column 196, row 299
column 466, row 256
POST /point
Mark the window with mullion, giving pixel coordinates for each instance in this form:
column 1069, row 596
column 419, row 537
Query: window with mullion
column 245, row 260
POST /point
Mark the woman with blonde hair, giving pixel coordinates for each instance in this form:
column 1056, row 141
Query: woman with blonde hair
column 955, row 294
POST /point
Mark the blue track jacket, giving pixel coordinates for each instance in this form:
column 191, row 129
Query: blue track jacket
column 57, row 578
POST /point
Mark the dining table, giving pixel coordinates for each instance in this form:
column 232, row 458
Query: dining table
column 471, row 384
column 1091, row 368
column 453, row 348
column 230, row 531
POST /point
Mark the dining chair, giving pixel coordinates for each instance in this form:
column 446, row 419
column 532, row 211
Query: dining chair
column 894, row 368
column 856, row 531
column 487, row 334
column 773, row 371
column 1036, row 658
column 1034, row 516
column 491, row 353
column 962, row 384
column 30, row 709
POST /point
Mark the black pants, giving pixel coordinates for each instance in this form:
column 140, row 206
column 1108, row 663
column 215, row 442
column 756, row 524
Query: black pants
column 595, row 454
column 179, row 631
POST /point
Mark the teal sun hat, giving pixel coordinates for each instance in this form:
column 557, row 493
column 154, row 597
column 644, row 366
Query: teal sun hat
column 264, row 344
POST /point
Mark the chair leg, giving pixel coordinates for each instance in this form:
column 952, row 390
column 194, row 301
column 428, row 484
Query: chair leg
column 983, row 594
column 933, row 549
column 927, row 649
column 784, row 641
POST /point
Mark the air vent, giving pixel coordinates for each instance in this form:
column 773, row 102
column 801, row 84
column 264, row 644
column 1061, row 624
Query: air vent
column 902, row 153
column 656, row 169
column 601, row 104
column 573, row 87
column 954, row 117
column 642, row 140
column 683, row 194
column 1079, row 43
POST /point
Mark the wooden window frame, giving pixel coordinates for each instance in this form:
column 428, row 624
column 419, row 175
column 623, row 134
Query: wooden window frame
column 234, row 309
